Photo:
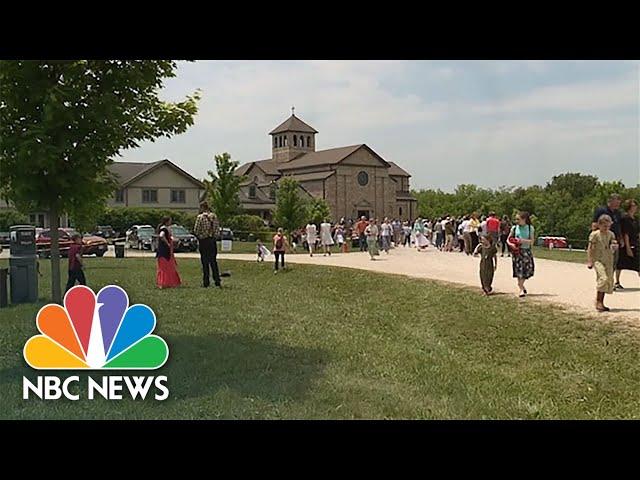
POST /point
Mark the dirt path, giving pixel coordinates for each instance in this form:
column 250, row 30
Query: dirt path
column 570, row 284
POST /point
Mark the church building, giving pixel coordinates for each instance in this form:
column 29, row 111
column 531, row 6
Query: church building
column 354, row 180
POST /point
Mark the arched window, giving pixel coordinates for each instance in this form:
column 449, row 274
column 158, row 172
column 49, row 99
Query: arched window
column 272, row 191
column 275, row 141
column 308, row 141
column 295, row 140
column 280, row 141
column 400, row 211
column 285, row 141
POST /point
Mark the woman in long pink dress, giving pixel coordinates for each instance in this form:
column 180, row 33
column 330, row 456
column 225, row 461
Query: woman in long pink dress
column 167, row 271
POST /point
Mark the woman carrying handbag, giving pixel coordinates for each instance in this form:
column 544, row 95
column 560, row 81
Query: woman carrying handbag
column 521, row 238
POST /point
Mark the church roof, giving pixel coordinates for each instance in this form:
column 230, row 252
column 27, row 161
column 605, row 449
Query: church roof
column 307, row 177
column 395, row 170
column 405, row 196
column 321, row 157
column 293, row 124
column 330, row 156
column 269, row 166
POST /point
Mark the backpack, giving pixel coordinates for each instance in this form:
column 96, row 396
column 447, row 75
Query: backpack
column 279, row 243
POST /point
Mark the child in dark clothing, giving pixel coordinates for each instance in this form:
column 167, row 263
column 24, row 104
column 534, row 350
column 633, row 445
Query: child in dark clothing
column 75, row 263
column 488, row 262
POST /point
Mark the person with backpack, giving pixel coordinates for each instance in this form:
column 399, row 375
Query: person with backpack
column 206, row 228
column 279, row 248
column 505, row 228
column 521, row 238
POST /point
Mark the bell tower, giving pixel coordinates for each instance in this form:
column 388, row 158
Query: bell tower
column 291, row 139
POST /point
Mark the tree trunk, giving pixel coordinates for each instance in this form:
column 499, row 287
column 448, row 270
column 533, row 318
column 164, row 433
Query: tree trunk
column 54, row 224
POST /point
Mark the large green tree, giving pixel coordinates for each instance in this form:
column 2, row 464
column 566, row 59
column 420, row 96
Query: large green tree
column 564, row 206
column 63, row 122
column 223, row 188
column 291, row 207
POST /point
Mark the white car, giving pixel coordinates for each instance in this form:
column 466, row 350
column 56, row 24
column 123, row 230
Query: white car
column 139, row 236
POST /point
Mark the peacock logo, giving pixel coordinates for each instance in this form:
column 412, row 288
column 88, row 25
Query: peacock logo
column 96, row 332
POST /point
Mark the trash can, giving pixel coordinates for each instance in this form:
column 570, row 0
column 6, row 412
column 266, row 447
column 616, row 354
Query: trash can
column 119, row 248
column 226, row 239
column 4, row 299
column 23, row 268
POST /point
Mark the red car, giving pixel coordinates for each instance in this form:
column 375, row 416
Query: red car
column 92, row 244
column 557, row 242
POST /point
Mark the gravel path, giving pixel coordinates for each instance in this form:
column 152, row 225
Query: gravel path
column 569, row 284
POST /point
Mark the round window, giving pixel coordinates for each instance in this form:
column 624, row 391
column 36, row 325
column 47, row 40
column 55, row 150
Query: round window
column 363, row 178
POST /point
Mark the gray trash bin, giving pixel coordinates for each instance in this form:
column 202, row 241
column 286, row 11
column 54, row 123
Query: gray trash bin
column 23, row 269
column 4, row 300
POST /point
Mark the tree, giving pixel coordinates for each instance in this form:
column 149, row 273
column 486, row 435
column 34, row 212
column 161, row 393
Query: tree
column 291, row 208
column 63, row 122
column 224, row 187
column 11, row 217
column 318, row 210
column 577, row 185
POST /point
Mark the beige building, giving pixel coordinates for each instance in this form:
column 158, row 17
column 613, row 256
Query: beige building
column 159, row 184
column 38, row 218
column 354, row 180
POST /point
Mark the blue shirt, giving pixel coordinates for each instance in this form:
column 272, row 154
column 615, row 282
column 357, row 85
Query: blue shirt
column 524, row 231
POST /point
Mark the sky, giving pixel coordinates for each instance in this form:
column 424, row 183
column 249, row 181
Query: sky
column 491, row 123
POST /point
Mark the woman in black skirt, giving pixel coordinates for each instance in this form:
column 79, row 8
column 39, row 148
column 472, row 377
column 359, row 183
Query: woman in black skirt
column 522, row 261
column 629, row 258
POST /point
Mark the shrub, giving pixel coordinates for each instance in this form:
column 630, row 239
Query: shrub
column 11, row 217
column 248, row 223
column 121, row 218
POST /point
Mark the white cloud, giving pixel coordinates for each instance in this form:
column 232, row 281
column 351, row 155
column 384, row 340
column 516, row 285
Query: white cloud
column 583, row 96
column 583, row 125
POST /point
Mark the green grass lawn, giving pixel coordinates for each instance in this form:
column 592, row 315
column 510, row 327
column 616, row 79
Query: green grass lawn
column 317, row 342
column 575, row 256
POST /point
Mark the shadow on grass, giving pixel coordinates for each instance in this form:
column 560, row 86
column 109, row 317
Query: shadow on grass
column 202, row 365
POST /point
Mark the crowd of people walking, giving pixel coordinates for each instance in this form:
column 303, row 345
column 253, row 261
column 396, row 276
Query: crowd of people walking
column 612, row 244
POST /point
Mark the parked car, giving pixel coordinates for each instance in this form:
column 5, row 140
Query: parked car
column 183, row 241
column 92, row 245
column 557, row 242
column 139, row 236
column 105, row 231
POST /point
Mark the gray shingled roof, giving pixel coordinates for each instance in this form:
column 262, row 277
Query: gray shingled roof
column 405, row 196
column 331, row 156
column 293, row 124
column 397, row 171
column 269, row 166
column 306, row 177
column 321, row 157
column 125, row 171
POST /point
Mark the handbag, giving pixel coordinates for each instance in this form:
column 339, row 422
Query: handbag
column 513, row 243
